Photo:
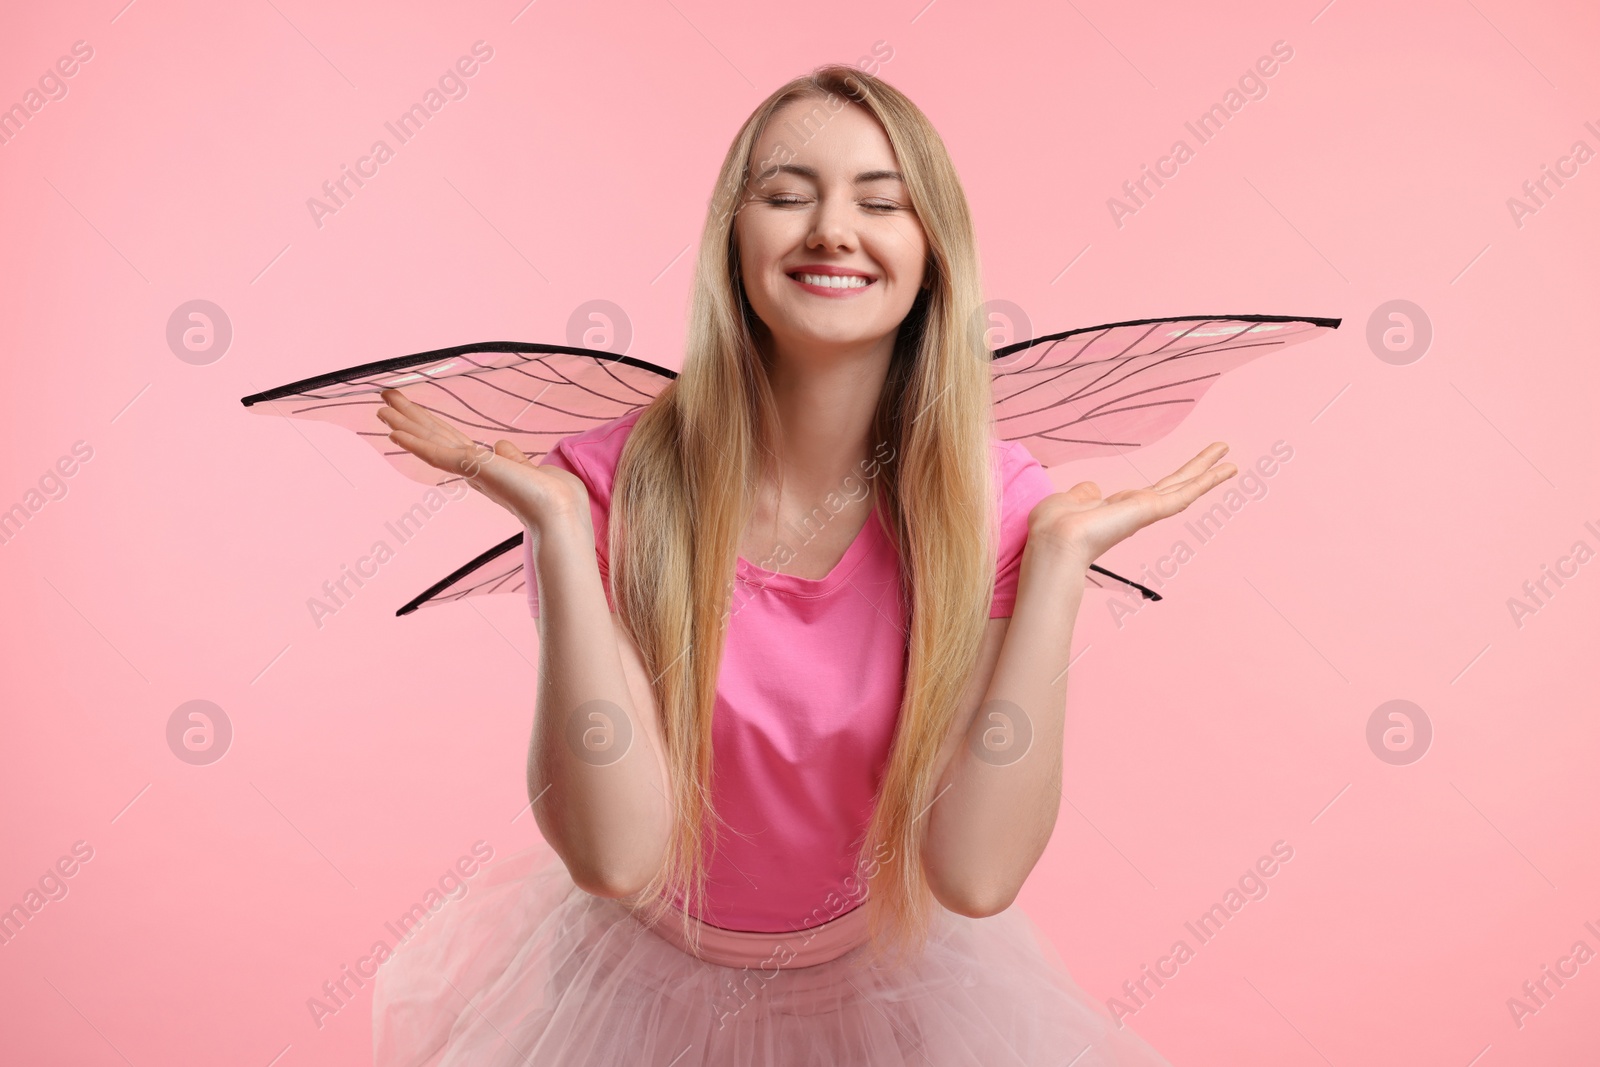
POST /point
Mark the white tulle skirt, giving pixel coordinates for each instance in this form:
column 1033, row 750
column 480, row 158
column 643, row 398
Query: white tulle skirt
column 529, row 970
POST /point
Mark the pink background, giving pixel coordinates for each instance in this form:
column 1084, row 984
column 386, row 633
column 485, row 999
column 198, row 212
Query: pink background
column 372, row 752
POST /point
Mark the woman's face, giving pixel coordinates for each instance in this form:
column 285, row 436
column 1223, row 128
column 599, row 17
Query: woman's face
column 823, row 195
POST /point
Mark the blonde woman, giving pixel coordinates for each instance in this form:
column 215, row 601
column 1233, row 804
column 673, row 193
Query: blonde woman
column 781, row 610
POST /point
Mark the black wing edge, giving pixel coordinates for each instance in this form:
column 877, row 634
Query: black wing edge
column 471, row 565
column 1145, row 591
column 402, row 362
column 1020, row 345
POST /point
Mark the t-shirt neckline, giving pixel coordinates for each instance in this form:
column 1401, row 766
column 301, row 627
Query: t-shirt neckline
column 763, row 578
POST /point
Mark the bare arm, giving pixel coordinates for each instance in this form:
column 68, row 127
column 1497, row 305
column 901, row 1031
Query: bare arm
column 596, row 763
column 999, row 787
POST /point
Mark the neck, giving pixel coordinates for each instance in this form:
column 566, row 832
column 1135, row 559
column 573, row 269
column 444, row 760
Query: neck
column 826, row 399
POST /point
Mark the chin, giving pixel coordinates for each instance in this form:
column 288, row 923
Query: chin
column 832, row 337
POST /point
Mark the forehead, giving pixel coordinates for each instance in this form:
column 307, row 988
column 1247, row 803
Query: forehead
column 808, row 131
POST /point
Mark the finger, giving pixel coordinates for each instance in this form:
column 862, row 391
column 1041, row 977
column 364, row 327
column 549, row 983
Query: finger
column 509, row 450
column 1204, row 459
column 1164, row 503
column 449, row 458
column 1199, row 483
column 405, row 414
column 401, row 413
column 1187, row 492
column 440, row 434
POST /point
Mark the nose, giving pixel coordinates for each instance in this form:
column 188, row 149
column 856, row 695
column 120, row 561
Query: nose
column 831, row 225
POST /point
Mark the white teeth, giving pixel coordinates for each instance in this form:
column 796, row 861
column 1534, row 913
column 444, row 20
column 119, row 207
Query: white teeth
column 834, row 281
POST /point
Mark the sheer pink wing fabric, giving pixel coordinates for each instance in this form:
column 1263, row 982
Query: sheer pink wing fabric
column 1108, row 389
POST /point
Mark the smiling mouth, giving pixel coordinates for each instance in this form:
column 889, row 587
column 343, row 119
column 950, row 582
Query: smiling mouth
column 832, row 284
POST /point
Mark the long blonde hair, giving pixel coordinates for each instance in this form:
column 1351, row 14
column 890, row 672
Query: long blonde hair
column 684, row 491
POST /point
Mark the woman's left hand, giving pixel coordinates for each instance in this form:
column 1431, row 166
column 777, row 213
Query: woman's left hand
column 1082, row 524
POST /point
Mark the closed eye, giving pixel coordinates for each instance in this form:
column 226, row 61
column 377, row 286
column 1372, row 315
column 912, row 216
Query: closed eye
column 880, row 205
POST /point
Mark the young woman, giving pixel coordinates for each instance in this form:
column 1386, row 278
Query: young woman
column 804, row 624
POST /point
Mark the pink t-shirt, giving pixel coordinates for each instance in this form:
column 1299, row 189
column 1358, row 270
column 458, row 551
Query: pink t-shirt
column 807, row 697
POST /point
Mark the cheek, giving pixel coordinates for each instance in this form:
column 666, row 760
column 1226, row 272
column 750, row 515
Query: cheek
column 749, row 265
column 908, row 256
column 754, row 248
column 758, row 281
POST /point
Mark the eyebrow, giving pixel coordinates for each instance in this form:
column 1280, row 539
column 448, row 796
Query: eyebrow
column 861, row 179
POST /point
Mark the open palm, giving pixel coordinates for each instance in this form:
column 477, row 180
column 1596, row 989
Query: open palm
column 504, row 473
column 1083, row 524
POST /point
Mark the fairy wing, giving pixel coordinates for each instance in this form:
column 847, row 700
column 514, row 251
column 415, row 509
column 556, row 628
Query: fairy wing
column 495, row 570
column 531, row 394
column 1109, row 389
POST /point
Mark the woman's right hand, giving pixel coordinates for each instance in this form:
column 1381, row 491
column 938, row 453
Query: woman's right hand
column 536, row 495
